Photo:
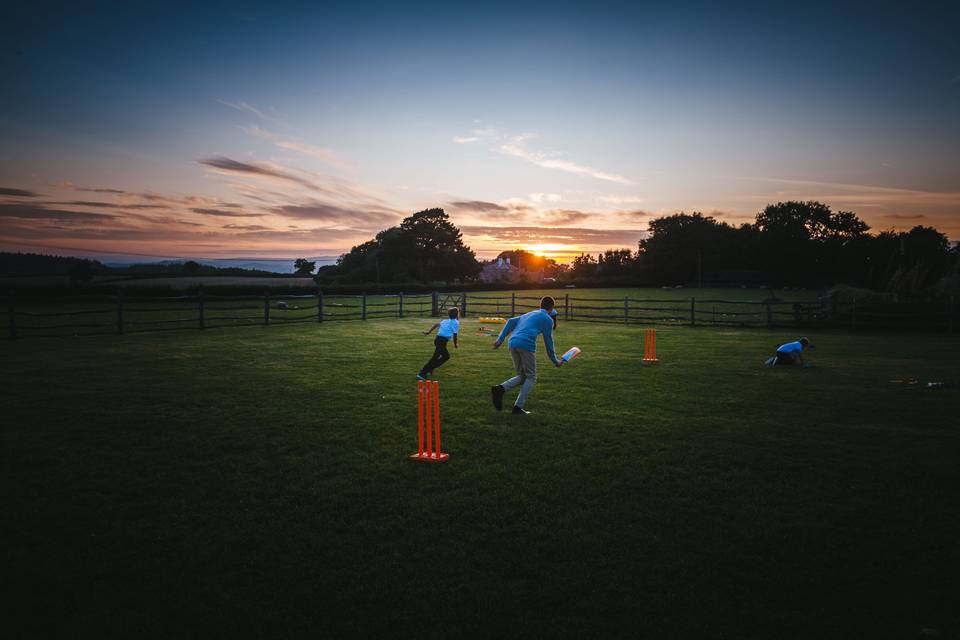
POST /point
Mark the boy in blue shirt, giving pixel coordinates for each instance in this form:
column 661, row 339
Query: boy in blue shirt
column 449, row 329
column 791, row 353
column 523, row 351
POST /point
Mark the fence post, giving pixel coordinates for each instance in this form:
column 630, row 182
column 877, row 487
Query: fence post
column 200, row 309
column 566, row 306
column 12, row 310
column 266, row 308
column 853, row 314
column 434, row 311
column 120, row 312
column 513, row 304
column 363, row 306
column 320, row 306
column 693, row 312
column 463, row 305
column 626, row 309
column 400, row 310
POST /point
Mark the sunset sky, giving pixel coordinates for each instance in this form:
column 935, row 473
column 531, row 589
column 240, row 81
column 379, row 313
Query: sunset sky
column 285, row 129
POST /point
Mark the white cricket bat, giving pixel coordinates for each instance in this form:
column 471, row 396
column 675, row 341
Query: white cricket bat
column 571, row 354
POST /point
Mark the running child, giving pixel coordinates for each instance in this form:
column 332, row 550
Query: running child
column 449, row 329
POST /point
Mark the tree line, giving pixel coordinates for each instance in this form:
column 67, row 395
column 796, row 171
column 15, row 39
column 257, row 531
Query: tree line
column 803, row 244
column 789, row 244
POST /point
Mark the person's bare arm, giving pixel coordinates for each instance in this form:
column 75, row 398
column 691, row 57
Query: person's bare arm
column 430, row 330
column 456, row 343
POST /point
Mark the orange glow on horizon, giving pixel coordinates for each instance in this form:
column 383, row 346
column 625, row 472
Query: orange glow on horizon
column 562, row 253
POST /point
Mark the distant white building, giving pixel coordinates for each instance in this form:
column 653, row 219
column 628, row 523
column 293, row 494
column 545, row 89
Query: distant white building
column 500, row 270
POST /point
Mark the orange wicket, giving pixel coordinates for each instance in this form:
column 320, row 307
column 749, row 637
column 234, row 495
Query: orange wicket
column 428, row 420
column 649, row 345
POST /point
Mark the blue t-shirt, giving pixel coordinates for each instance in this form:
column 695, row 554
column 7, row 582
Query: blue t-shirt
column 790, row 347
column 525, row 330
column 448, row 327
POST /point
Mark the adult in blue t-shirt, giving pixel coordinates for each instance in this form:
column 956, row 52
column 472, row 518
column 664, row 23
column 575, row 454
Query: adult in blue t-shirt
column 523, row 351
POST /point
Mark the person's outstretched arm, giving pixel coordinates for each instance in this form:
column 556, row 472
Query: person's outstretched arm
column 507, row 328
column 430, row 330
column 456, row 343
column 548, row 343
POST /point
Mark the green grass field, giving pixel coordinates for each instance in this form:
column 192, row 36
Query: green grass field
column 254, row 481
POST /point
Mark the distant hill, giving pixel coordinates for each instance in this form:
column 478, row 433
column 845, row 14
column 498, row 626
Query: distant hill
column 270, row 265
column 44, row 265
column 35, row 264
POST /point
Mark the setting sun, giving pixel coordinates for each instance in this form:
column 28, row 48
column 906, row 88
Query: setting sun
column 558, row 252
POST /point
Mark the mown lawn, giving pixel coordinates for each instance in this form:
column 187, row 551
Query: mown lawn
column 254, row 481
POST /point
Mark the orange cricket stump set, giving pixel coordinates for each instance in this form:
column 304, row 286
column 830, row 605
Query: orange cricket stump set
column 649, row 345
column 428, row 419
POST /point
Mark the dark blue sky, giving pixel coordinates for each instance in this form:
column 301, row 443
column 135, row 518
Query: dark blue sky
column 618, row 111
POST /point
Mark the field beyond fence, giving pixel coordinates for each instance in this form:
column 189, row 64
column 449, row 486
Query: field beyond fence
column 40, row 316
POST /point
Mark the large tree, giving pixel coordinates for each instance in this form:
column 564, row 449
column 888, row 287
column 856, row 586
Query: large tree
column 680, row 244
column 807, row 242
column 426, row 247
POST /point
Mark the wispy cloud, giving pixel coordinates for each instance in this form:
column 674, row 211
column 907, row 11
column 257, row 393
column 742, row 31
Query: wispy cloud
column 259, row 169
column 333, row 214
column 326, row 155
column 574, row 236
column 246, row 108
column 246, row 227
column 545, row 197
column 562, row 217
column 516, row 146
column 478, row 206
column 332, row 187
column 109, row 205
column 867, row 193
column 18, row 193
column 515, row 211
column 634, row 214
column 33, row 212
column 224, row 213
column 66, row 184
column 620, row 200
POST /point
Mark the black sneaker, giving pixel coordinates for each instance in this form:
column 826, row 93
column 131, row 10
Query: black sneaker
column 496, row 393
column 520, row 411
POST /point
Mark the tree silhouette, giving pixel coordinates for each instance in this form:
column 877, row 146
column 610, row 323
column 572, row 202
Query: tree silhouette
column 304, row 267
column 426, row 247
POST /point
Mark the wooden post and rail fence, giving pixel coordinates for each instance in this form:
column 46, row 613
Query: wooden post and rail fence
column 121, row 314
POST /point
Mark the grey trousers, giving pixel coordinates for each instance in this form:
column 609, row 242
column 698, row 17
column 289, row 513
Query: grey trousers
column 525, row 363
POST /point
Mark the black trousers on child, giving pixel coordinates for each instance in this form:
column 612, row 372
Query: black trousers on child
column 785, row 359
column 440, row 355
